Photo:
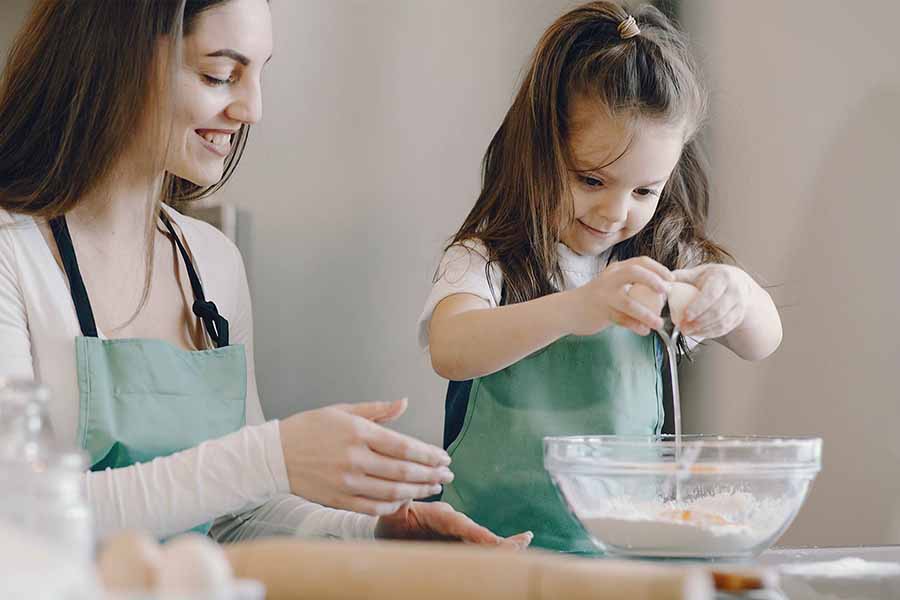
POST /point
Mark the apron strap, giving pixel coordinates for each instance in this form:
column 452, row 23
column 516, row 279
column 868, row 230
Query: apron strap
column 76, row 284
column 215, row 324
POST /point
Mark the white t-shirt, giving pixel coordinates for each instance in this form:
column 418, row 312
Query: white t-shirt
column 234, row 473
column 463, row 270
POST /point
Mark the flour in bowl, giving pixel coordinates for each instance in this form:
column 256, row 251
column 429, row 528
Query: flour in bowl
column 725, row 524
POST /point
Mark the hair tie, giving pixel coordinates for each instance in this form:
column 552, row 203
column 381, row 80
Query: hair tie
column 628, row 28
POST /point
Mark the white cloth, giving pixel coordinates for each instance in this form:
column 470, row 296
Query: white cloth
column 464, row 270
column 237, row 472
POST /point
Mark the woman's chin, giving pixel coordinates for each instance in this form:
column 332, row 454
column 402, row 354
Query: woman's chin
column 201, row 177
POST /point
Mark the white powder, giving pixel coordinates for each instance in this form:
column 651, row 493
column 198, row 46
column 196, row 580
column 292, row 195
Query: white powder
column 727, row 524
column 846, row 567
column 845, row 579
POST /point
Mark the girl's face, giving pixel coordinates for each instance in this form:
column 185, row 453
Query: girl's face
column 613, row 203
column 218, row 87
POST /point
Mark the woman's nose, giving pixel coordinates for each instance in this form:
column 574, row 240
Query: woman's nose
column 247, row 105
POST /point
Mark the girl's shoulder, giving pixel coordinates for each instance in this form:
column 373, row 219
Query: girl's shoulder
column 467, row 257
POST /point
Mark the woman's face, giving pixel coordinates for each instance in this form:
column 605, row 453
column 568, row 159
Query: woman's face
column 218, row 87
column 614, row 202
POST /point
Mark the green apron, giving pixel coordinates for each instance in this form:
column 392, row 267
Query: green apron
column 609, row 383
column 142, row 398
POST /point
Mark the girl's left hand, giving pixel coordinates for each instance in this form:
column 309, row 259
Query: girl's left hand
column 722, row 303
column 439, row 521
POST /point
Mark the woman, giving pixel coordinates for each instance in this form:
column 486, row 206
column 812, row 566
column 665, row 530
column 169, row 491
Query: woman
column 137, row 317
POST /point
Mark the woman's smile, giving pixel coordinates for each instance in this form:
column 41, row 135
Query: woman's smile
column 217, row 141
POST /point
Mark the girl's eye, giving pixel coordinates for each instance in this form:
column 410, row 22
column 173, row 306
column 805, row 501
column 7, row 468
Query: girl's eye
column 590, row 181
column 646, row 192
column 216, row 81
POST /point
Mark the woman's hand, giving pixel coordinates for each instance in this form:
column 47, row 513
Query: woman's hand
column 606, row 300
column 438, row 521
column 341, row 457
column 721, row 305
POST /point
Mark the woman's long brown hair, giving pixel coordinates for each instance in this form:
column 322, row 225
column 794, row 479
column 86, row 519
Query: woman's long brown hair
column 79, row 76
column 525, row 201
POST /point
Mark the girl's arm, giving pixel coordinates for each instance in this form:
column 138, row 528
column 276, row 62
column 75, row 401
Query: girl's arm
column 759, row 333
column 732, row 309
column 469, row 339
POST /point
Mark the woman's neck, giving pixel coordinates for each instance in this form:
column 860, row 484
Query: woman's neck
column 117, row 210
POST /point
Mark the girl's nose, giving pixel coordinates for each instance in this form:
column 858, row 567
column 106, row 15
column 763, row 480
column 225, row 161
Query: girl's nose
column 613, row 208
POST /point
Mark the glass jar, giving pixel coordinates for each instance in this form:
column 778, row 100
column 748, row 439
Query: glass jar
column 25, row 429
column 43, row 484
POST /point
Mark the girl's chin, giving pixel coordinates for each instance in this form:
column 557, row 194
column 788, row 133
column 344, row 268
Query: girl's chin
column 593, row 248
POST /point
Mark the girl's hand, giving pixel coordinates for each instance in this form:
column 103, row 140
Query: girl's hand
column 438, row 521
column 340, row 457
column 606, row 299
column 722, row 303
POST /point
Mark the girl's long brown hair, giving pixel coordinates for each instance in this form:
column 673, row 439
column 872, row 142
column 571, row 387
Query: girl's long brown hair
column 80, row 76
column 525, row 201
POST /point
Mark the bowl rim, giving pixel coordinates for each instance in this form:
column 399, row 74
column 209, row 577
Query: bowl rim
column 810, row 463
column 691, row 439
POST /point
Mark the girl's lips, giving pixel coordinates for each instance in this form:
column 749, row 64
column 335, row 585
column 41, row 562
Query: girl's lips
column 597, row 232
column 220, row 150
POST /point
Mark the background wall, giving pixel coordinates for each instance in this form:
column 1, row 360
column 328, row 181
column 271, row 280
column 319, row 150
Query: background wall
column 805, row 146
column 376, row 118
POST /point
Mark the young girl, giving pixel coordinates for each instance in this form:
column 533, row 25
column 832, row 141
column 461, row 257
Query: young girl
column 592, row 184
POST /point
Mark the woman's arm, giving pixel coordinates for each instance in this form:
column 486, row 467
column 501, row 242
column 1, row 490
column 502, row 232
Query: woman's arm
column 15, row 342
column 173, row 494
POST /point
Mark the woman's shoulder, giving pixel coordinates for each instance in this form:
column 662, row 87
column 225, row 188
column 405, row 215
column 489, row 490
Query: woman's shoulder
column 216, row 256
column 202, row 237
column 13, row 218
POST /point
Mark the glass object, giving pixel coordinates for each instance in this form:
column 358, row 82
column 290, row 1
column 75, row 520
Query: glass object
column 25, row 429
column 724, row 497
column 43, row 485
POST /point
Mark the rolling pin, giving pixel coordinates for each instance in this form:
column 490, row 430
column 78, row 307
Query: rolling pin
column 324, row 570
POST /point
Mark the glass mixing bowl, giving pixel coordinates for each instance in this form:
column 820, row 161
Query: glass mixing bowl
column 713, row 497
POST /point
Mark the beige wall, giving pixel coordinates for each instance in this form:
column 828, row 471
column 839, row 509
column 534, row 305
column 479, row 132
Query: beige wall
column 12, row 13
column 805, row 140
column 376, row 117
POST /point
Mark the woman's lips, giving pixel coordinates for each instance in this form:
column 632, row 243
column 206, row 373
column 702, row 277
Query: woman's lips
column 217, row 141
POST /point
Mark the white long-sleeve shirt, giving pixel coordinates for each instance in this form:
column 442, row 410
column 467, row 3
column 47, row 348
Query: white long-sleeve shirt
column 243, row 472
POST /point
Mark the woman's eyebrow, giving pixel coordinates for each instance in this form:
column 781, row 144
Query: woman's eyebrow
column 234, row 55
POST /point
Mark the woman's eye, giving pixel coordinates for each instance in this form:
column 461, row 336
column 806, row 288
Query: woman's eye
column 217, row 81
column 646, row 192
column 590, row 181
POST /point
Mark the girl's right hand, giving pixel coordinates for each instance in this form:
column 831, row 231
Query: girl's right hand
column 606, row 300
column 340, row 456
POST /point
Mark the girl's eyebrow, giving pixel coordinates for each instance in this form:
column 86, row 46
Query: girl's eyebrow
column 233, row 55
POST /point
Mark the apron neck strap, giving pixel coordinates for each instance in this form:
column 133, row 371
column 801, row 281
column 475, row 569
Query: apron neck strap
column 215, row 324
column 60, row 231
